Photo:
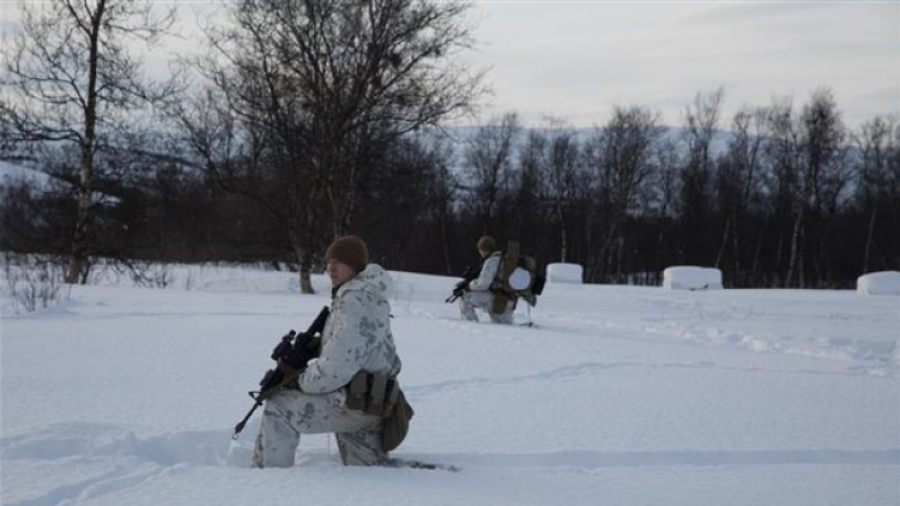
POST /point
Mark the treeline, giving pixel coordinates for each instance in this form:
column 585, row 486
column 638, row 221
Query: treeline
column 306, row 120
column 775, row 197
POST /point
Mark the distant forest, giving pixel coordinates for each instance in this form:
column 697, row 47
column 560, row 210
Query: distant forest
column 285, row 144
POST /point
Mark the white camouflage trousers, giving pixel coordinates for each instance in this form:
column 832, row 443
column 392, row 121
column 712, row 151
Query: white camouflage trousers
column 469, row 301
column 290, row 413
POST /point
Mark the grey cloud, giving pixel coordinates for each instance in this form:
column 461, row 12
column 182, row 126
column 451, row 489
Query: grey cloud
column 754, row 12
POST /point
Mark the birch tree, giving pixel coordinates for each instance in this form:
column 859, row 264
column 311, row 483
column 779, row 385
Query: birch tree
column 70, row 78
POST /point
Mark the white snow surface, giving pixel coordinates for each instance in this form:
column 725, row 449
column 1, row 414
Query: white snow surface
column 879, row 283
column 565, row 273
column 690, row 277
column 618, row 395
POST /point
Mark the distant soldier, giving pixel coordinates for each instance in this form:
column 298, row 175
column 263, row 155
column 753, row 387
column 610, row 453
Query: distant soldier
column 356, row 342
column 479, row 292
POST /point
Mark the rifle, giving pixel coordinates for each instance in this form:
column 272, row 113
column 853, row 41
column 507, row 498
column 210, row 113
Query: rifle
column 461, row 286
column 291, row 354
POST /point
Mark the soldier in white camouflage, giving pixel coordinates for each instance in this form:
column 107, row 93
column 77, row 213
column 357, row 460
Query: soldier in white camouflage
column 479, row 294
column 357, row 337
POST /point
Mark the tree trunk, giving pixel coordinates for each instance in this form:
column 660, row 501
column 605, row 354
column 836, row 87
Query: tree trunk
column 736, row 245
column 721, row 254
column 304, row 259
column 445, row 243
column 869, row 237
column 563, row 239
column 306, row 280
column 796, row 254
column 77, row 268
column 757, row 252
column 304, row 262
column 604, row 255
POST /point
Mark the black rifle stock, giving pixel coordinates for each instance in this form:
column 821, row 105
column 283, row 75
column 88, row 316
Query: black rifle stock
column 461, row 286
column 294, row 351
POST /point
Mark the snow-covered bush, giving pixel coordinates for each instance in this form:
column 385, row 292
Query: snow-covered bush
column 879, row 283
column 565, row 273
column 32, row 281
column 689, row 277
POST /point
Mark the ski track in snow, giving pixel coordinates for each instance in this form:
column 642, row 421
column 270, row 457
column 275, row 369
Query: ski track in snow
column 881, row 358
column 701, row 327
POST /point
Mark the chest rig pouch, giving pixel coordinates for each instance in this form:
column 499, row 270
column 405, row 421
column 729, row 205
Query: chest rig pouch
column 379, row 395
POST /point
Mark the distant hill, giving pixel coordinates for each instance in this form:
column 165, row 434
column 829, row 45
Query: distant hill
column 461, row 134
column 11, row 173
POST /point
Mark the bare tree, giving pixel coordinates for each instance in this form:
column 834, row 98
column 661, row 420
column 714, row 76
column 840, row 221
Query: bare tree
column 661, row 200
column 739, row 179
column 316, row 85
column 528, row 192
column 701, row 119
column 780, row 176
column 563, row 181
column 822, row 175
column 69, row 78
column 487, row 163
column 621, row 158
column 442, row 190
column 878, row 185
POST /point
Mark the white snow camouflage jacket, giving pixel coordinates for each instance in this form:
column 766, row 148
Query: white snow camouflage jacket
column 357, row 335
column 489, row 270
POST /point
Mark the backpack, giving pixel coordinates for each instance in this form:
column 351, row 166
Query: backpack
column 518, row 277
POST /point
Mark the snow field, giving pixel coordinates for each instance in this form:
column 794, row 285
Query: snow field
column 619, row 395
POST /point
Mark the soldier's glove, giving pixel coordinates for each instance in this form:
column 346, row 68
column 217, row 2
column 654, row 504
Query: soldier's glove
column 302, row 352
column 461, row 288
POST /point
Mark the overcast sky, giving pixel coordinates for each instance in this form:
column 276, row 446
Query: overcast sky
column 574, row 60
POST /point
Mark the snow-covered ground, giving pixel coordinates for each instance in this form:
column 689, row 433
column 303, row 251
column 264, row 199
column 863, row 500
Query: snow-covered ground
column 618, row 396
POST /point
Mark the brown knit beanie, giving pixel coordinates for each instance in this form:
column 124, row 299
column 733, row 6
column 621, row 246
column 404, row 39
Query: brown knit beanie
column 350, row 250
column 487, row 243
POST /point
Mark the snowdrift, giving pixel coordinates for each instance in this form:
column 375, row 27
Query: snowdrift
column 692, row 278
column 565, row 273
column 879, row 283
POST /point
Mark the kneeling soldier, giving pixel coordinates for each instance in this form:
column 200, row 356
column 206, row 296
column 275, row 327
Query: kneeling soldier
column 357, row 346
column 478, row 293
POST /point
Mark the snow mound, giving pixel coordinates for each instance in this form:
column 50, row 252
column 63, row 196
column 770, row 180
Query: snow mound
column 879, row 283
column 565, row 273
column 688, row 277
